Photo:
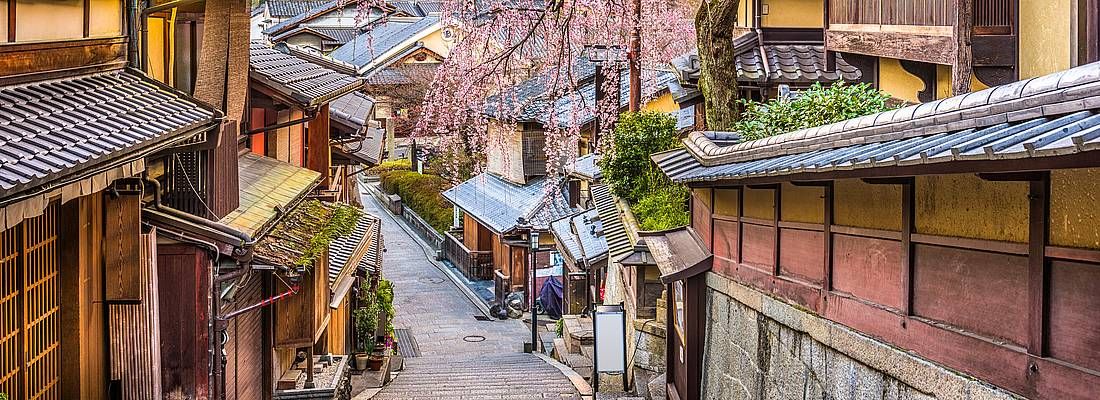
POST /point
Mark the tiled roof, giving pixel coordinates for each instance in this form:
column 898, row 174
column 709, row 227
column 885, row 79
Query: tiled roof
column 267, row 185
column 798, row 64
column 353, row 109
column 382, row 38
column 329, row 35
column 590, row 235
column 563, row 232
column 62, row 128
column 498, row 203
column 679, row 253
column 613, row 228
column 368, row 151
column 1040, row 117
column 308, row 83
column 402, row 74
column 408, row 7
column 317, row 9
column 291, row 240
column 353, row 249
column 290, row 8
column 585, row 167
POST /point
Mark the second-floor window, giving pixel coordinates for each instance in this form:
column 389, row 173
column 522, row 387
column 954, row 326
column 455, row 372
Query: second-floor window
column 53, row 20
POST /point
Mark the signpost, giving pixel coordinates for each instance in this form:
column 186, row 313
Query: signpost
column 609, row 347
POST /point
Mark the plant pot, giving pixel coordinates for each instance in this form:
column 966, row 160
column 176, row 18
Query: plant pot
column 361, row 361
column 374, row 362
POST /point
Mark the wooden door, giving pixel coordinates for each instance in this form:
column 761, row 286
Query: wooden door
column 30, row 309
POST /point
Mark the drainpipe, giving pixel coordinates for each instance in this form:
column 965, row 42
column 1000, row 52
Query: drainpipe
column 246, row 241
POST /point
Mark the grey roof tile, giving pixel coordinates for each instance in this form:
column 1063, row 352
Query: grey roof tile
column 41, row 138
column 290, row 8
column 613, row 228
column 306, row 82
column 381, row 38
column 498, row 203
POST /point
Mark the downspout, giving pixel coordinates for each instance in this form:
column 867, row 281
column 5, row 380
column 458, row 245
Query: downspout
column 246, row 240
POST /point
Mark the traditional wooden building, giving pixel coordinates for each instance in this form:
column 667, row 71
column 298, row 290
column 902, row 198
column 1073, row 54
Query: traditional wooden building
column 81, row 128
column 945, row 248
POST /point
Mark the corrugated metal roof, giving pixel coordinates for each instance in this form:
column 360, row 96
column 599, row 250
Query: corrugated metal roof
column 306, row 82
column 267, row 185
column 382, row 38
column 611, row 218
column 58, row 128
column 1046, row 116
column 498, row 203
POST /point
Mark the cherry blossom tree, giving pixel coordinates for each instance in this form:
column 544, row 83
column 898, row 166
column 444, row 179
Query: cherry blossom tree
column 502, row 43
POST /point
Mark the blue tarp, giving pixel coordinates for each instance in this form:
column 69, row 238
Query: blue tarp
column 551, row 297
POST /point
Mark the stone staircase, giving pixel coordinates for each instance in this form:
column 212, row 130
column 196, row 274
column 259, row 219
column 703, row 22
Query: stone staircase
column 493, row 376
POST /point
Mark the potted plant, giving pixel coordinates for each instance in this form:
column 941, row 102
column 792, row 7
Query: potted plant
column 366, row 322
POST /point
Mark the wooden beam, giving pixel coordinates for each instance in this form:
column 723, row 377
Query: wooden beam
column 827, row 276
column 813, row 183
column 961, row 68
column 11, row 21
column 933, row 49
column 1038, row 272
column 1092, row 31
column 903, row 180
column 926, row 72
column 907, row 210
column 320, row 154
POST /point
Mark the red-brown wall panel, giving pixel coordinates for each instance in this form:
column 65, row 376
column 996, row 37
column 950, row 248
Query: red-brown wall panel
column 184, row 314
column 868, row 268
column 975, row 290
column 802, row 254
column 725, row 239
column 1074, row 304
column 759, row 243
column 701, row 218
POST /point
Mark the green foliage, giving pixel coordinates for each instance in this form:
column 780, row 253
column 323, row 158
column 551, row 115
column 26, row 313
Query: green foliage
column 818, row 105
column 384, row 297
column 366, row 318
column 627, row 169
column 422, row 193
column 559, row 327
column 340, row 222
column 390, row 165
column 3, row 396
column 657, row 203
column 663, row 208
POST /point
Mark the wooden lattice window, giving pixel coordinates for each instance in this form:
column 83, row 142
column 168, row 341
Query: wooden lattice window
column 30, row 308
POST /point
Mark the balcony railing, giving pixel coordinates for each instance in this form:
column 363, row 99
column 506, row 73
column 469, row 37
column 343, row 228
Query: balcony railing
column 475, row 265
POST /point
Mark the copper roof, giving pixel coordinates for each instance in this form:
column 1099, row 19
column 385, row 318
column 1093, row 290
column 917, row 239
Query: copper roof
column 268, row 187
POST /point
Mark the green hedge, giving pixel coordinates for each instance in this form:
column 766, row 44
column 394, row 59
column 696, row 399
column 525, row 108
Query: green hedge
column 391, row 165
column 815, row 106
column 422, row 193
column 662, row 208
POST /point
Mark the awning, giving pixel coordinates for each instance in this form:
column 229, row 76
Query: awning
column 678, row 253
column 71, row 137
column 348, row 254
column 268, row 187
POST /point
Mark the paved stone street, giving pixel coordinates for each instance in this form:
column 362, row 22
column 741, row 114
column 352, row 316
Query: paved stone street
column 460, row 356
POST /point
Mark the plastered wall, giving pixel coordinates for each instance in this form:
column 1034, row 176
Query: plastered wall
column 725, row 202
column 1046, row 41
column 794, row 14
column 1075, row 197
column 863, row 205
column 894, row 80
column 759, row 203
column 966, row 206
column 802, row 204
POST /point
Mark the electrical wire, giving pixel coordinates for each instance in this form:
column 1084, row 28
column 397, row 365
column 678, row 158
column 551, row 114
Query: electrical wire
column 187, row 178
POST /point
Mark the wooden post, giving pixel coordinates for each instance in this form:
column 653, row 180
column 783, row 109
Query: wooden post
column 740, row 224
column 961, row 68
column 907, row 210
column 1038, row 274
column 827, row 233
column 320, row 155
column 777, row 203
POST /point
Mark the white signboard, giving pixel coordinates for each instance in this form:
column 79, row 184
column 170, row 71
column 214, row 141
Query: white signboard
column 610, row 336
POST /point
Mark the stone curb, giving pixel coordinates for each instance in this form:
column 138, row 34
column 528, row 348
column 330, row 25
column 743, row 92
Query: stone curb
column 583, row 388
column 470, row 295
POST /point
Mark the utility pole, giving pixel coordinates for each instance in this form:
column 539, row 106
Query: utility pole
column 636, row 58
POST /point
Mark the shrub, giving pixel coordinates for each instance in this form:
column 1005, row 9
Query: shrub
column 662, row 208
column 818, row 105
column 390, row 165
column 422, row 193
column 627, row 168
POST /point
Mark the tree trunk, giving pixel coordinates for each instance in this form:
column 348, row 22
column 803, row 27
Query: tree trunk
column 714, row 25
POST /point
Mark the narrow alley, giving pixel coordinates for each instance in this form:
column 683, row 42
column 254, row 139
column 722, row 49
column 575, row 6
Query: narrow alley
column 460, row 356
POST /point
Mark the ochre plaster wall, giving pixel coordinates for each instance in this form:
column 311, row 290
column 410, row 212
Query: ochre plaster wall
column 725, row 202
column 863, row 205
column 663, row 103
column 1075, row 208
column 802, row 204
column 966, row 206
column 894, row 80
column 1046, row 42
column 794, row 14
column 759, row 203
column 704, row 196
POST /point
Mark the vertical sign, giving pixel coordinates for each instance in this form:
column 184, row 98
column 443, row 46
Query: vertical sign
column 609, row 329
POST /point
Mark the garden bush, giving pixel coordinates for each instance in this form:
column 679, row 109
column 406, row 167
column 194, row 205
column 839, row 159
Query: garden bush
column 390, row 165
column 422, row 193
column 818, row 105
column 657, row 203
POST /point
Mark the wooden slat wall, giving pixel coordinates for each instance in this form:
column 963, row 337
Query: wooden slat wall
column 30, row 365
column 892, row 12
column 184, row 315
column 123, row 245
column 135, row 339
column 245, row 348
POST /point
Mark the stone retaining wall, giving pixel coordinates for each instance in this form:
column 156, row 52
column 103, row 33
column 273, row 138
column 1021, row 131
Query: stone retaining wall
column 759, row 347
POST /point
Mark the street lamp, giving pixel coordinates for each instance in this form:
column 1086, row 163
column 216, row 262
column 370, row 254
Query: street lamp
column 601, row 54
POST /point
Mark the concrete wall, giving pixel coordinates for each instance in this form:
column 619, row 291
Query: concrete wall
column 758, row 347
